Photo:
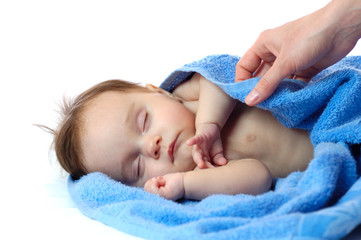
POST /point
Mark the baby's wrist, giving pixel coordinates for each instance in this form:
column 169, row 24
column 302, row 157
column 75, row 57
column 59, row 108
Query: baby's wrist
column 185, row 182
column 202, row 124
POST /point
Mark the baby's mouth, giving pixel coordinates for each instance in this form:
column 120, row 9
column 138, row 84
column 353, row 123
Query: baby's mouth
column 171, row 149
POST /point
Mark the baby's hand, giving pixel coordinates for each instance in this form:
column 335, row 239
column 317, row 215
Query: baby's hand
column 207, row 146
column 169, row 186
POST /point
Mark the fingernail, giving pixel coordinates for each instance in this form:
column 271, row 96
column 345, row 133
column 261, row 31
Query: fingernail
column 252, row 98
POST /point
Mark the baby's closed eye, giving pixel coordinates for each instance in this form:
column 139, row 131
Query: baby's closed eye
column 144, row 121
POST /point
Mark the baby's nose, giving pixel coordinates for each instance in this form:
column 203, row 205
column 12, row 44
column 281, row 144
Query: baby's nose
column 154, row 147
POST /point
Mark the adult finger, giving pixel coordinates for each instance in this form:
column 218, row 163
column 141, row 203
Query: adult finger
column 247, row 65
column 268, row 83
column 263, row 68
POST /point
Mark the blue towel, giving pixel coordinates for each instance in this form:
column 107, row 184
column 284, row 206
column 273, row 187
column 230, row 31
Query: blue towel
column 324, row 201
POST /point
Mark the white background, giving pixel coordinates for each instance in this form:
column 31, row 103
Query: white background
column 49, row 49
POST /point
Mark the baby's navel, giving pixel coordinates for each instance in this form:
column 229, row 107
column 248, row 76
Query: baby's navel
column 251, row 138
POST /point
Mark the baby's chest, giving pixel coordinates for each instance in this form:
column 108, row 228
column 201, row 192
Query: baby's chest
column 251, row 133
column 255, row 133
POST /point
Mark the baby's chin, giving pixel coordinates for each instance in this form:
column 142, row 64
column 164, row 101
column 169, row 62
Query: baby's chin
column 192, row 166
column 188, row 164
column 184, row 160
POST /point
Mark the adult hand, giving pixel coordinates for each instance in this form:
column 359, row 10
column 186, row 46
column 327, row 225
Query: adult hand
column 302, row 48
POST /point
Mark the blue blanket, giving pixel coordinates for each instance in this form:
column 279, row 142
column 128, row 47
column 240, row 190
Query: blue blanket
column 322, row 202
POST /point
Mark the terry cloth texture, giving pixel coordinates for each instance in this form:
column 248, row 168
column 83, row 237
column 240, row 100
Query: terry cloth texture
column 324, row 201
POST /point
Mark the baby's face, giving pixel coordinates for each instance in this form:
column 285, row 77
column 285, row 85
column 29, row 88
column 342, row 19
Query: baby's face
column 135, row 136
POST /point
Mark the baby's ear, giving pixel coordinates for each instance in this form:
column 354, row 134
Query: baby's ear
column 156, row 89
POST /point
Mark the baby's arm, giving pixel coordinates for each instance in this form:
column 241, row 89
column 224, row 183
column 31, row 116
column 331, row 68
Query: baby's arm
column 214, row 108
column 214, row 105
column 248, row 176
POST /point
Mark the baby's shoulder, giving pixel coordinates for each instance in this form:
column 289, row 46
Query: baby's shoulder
column 189, row 89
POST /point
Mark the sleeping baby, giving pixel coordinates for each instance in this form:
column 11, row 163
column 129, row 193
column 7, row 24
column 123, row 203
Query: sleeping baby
column 191, row 143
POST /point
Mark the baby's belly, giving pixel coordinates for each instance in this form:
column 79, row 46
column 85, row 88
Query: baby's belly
column 255, row 133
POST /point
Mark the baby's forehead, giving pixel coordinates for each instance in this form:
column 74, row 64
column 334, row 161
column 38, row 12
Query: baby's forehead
column 105, row 104
column 104, row 130
column 113, row 94
column 114, row 104
column 109, row 99
column 126, row 92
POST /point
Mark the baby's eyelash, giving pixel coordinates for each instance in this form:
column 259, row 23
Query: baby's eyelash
column 138, row 170
column 145, row 121
column 140, row 166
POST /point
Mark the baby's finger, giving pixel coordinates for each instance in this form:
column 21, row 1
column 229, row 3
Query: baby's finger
column 191, row 141
column 151, row 186
column 209, row 165
column 198, row 157
column 219, row 159
column 147, row 185
column 160, row 181
column 194, row 140
column 166, row 193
